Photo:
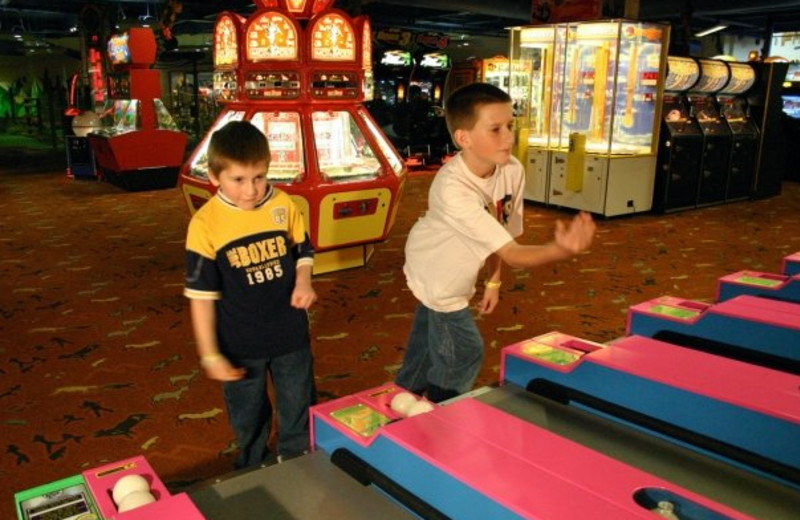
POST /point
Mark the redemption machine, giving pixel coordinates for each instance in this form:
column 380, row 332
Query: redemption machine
column 749, row 328
column 627, row 433
column 680, row 142
column 304, row 87
column 744, row 132
column 606, row 116
column 140, row 147
column 532, row 60
column 714, row 76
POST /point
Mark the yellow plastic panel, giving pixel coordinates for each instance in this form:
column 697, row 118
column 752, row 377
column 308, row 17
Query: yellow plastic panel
column 335, row 230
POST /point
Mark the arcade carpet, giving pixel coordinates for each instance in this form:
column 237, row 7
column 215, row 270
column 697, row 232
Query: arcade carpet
column 96, row 353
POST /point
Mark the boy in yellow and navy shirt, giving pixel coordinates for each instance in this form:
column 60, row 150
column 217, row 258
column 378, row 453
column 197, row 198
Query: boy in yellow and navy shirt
column 248, row 276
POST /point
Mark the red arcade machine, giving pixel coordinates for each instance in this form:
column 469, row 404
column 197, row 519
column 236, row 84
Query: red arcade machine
column 140, row 147
column 303, row 86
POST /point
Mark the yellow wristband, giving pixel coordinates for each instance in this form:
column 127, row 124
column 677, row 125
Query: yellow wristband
column 210, row 359
column 492, row 285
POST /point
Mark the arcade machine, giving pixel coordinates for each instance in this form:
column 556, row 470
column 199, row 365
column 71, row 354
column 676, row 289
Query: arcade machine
column 392, row 74
column 766, row 107
column 127, row 489
column 476, row 70
column 430, row 75
column 140, row 147
column 303, row 87
column 532, row 77
column 757, row 330
column 790, row 265
column 766, row 285
column 714, row 76
column 604, row 157
column 744, row 133
column 681, row 141
column 505, row 452
column 791, row 120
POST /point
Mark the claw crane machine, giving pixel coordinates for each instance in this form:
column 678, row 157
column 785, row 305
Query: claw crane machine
column 531, row 64
column 303, row 71
column 607, row 113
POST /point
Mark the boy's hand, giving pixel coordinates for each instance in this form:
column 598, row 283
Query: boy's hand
column 303, row 295
column 491, row 297
column 220, row 369
column 578, row 235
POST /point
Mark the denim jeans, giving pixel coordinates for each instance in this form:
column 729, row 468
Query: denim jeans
column 444, row 353
column 250, row 411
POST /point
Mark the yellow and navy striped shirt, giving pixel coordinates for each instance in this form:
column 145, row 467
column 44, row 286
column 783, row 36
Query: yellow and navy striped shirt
column 246, row 261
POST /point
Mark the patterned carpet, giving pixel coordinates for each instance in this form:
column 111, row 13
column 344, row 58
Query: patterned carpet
column 96, row 354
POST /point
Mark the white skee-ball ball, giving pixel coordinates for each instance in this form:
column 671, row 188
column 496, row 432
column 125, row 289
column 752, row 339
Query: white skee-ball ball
column 402, row 402
column 136, row 499
column 127, row 485
column 419, row 407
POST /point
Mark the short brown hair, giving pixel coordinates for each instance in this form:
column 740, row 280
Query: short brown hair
column 236, row 142
column 460, row 109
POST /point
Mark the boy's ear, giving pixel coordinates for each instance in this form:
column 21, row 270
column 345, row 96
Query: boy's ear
column 460, row 138
column 213, row 179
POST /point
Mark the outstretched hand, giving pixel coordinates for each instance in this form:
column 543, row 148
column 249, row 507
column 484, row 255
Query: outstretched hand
column 577, row 235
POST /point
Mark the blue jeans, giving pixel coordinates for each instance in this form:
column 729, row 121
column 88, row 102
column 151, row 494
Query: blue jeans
column 443, row 354
column 250, row 411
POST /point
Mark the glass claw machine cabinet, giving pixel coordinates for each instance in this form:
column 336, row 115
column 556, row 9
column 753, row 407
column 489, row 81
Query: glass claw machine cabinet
column 744, row 132
column 714, row 75
column 305, row 71
column 680, row 145
column 607, row 117
column 531, row 80
column 139, row 146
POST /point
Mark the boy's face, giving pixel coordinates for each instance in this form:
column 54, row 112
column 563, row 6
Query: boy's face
column 490, row 141
column 244, row 184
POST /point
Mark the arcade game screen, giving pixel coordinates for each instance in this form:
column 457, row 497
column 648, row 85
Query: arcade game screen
column 343, row 152
column 791, row 106
column 118, row 51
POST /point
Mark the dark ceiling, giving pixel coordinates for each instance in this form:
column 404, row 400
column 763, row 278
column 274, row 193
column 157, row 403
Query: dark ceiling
column 53, row 18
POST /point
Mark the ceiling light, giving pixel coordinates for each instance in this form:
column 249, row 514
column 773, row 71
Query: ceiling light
column 711, row 30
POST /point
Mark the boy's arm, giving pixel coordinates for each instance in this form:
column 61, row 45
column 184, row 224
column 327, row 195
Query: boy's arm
column 303, row 295
column 569, row 240
column 491, row 290
column 204, row 325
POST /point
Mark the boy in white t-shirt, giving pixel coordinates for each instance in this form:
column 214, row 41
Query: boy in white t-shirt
column 474, row 214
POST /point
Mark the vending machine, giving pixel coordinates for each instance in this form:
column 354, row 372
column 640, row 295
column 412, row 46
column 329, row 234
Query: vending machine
column 304, row 70
column 680, row 145
column 606, row 113
column 714, row 76
column 139, row 146
column 744, row 132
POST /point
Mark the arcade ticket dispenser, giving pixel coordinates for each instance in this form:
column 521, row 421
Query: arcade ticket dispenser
column 606, row 115
column 140, row 146
column 680, row 143
column 531, row 78
column 714, row 76
column 744, row 132
column 303, row 86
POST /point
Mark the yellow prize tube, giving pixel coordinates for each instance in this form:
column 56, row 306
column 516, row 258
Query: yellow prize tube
column 576, row 159
column 520, row 149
